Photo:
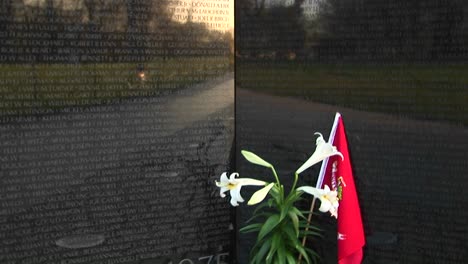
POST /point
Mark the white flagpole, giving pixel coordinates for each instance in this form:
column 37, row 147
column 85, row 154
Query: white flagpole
column 331, row 138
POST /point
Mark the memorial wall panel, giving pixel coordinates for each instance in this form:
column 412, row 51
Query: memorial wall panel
column 396, row 71
column 116, row 118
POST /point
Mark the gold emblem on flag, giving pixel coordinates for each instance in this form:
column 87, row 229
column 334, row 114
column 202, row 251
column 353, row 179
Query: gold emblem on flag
column 337, row 184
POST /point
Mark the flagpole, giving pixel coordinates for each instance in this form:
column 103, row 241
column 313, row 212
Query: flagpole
column 320, row 180
column 331, row 139
column 309, row 219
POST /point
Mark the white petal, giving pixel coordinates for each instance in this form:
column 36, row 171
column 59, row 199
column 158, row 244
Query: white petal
column 220, row 184
column 322, row 151
column 235, row 194
column 233, row 176
column 222, row 190
column 334, row 213
column 224, row 178
column 325, row 205
column 335, row 204
column 320, row 139
column 259, row 195
column 328, row 200
column 311, row 190
column 253, row 158
column 249, row 181
column 234, row 202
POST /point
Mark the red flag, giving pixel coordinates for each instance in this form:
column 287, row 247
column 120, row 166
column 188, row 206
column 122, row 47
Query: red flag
column 338, row 175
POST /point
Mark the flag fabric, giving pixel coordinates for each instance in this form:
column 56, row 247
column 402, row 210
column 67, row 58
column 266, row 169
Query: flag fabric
column 337, row 174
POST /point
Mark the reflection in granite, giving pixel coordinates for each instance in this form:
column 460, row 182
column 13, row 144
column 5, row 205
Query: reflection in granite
column 409, row 174
column 115, row 119
column 80, row 241
column 396, row 70
column 110, row 180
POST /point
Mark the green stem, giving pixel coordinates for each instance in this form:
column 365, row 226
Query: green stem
column 282, row 194
column 296, row 176
column 280, row 187
column 276, row 176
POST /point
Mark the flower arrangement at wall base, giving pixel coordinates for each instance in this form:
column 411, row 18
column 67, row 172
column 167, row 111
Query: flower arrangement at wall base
column 279, row 224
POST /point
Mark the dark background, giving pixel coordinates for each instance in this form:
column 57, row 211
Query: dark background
column 89, row 146
column 396, row 71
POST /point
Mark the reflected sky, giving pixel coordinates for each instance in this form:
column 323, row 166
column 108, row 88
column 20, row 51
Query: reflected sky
column 214, row 14
column 217, row 15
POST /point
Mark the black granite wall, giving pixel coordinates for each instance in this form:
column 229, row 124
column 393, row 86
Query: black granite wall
column 396, row 71
column 116, row 118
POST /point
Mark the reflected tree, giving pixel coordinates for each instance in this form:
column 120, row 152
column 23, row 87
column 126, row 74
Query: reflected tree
column 132, row 26
column 396, row 30
column 269, row 32
column 6, row 12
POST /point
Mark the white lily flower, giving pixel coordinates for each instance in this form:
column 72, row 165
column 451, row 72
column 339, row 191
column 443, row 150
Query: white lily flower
column 322, row 151
column 328, row 198
column 234, row 185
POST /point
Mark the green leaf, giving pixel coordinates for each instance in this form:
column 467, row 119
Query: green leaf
column 308, row 212
column 253, row 158
column 304, row 233
column 290, row 233
column 293, row 197
column 313, row 254
column 276, row 193
column 284, row 211
column 281, row 253
column 269, row 224
column 304, row 254
column 275, row 245
column 251, row 228
column 290, row 259
column 260, row 255
column 295, row 221
column 261, row 206
column 257, row 215
column 304, row 225
column 270, row 202
column 298, row 213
